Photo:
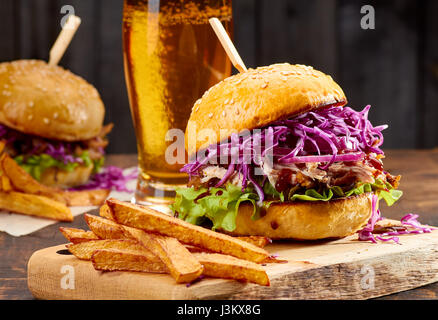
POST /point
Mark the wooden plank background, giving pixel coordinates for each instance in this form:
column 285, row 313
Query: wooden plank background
column 394, row 67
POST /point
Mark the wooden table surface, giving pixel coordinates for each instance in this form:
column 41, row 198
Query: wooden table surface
column 419, row 170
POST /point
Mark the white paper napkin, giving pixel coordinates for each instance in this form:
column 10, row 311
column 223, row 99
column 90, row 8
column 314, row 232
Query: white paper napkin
column 19, row 225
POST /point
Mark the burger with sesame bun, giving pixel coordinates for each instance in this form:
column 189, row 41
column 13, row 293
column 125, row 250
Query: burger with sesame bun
column 52, row 122
column 275, row 152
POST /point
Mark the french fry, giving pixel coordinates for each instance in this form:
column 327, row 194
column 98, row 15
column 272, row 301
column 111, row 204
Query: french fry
column 194, row 249
column 126, row 260
column 6, row 183
column 24, row 182
column 86, row 197
column 84, row 250
column 258, row 241
column 77, row 235
column 124, row 248
column 149, row 220
column 105, row 212
column 34, row 205
column 104, row 228
column 228, row 267
column 108, row 229
column 180, row 262
column 215, row 265
column 270, row 259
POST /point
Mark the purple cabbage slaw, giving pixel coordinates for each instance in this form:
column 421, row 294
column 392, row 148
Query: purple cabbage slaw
column 110, row 177
column 59, row 150
column 409, row 221
column 62, row 153
column 326, row 135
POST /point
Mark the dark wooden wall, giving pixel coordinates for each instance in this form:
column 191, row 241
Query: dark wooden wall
column 394, row 67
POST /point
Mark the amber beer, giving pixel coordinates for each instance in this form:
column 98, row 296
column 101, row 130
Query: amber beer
column 171, row 57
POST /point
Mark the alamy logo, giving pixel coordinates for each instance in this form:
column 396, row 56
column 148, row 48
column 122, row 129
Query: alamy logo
column 368, row 277
column 68, row 280
column 68, row 10
column 368, row 21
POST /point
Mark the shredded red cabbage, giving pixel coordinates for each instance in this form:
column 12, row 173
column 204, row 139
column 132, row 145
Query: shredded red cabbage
column 31, row 145
column 409, row 221
column 325, row 135
column 110, row 177
column 61, row 153
column 343, row 157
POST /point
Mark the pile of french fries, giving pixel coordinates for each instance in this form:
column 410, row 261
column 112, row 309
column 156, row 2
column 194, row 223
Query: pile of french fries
column 21, row 193
column 129, row 237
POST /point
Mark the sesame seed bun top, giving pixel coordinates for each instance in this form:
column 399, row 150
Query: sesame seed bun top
column 255, row 99
column 48, row 101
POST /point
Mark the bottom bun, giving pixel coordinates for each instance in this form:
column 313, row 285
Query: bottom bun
column 307, row 220
column 55, row 177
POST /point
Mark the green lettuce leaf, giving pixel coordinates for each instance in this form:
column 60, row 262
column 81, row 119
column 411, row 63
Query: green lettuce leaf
column 390, row 196
column 384, row 190
column 313, row 195
column 35, row 165
column 98, row 164
column 269, row 190
column 220, row 205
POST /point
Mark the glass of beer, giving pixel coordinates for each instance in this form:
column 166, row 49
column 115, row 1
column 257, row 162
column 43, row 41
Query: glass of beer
column 171, row 57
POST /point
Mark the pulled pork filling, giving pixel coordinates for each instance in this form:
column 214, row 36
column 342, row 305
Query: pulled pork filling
column 299, row 176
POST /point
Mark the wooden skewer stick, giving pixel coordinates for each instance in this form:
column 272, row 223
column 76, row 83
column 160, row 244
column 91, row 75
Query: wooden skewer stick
column 64, row 39
column 227, row 44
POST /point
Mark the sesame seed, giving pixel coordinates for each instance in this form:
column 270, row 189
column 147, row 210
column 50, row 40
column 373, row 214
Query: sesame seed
column 231, row 101
column 224, row 113
column 210, row 115
column 55, row 115
column 237, row 112
column 226, row 101
column 30, row 104
column 264, row 85
column 46, row 121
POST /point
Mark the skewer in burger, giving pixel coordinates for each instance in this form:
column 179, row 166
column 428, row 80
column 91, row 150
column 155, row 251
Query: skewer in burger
column 286, row 159
column 52, row 122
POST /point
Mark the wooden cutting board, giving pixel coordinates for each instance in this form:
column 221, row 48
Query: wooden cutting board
column 340, row 269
